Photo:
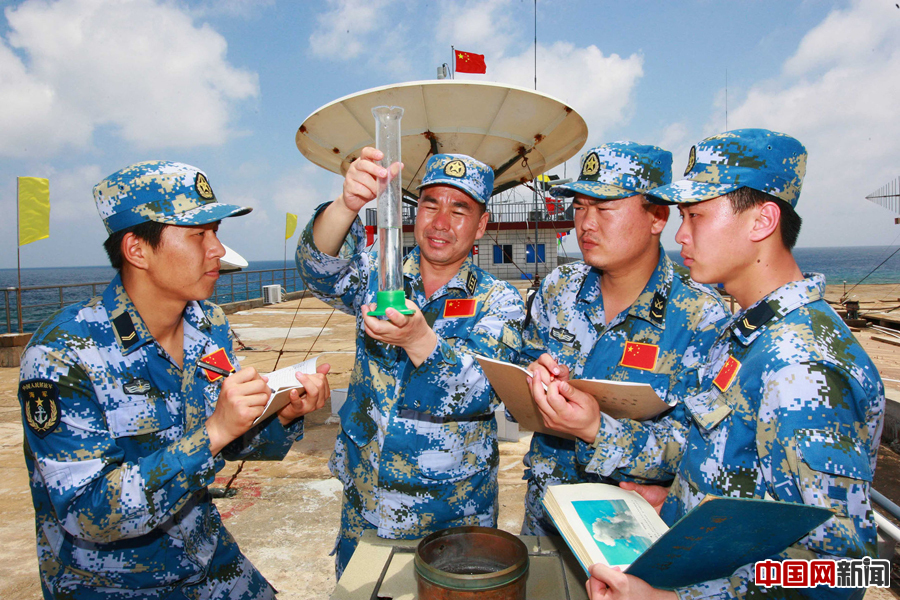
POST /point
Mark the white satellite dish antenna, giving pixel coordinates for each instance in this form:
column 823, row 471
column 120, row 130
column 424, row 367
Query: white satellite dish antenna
column 232, row 261
column 520, row 133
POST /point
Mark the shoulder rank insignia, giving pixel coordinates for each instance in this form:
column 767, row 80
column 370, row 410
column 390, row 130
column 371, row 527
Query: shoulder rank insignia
column 220, row 359
column 658, row 308
column 471, row 283
column 727, row 374
column 640, row 356
column 461, row 307
column 755, row 318
column 561, row 335
column 124, row 327
column 40, row 401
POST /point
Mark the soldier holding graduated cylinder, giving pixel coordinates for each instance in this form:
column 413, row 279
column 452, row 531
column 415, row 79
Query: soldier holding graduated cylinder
column 417, row 451
column 791, row 408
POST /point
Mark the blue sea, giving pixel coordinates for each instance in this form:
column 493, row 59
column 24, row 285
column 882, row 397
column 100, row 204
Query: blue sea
column 847, row 265
column 39, row 304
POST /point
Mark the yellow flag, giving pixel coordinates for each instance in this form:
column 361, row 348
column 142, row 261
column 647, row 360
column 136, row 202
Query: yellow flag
column 34, row 209
column 290, row 226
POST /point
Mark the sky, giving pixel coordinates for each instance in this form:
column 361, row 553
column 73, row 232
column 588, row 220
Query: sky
column 88, row 87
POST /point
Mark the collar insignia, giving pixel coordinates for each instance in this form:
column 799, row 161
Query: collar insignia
column 658, row 308
column 755, row 318
column 471, row 283
column 124, row 327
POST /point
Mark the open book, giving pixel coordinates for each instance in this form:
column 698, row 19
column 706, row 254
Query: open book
column 281, row 382
column 605, row 524
column 618, row 399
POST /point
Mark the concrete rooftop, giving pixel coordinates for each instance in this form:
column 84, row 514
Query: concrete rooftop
column 285, row 514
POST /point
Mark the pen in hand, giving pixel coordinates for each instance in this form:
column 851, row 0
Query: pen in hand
column 215, row 369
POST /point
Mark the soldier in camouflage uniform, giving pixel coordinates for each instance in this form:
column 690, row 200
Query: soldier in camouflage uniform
column 124, row 430
column 791, row 407
column 417, row 450
column 627, row 313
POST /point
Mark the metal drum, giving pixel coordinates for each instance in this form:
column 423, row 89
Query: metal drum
column 463, row 563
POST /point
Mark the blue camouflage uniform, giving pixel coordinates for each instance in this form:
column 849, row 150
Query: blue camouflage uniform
column 115, row 431
column 119, row 460
column 678, row 317
column 671, row 325
column 791, row 408
column 417, row 450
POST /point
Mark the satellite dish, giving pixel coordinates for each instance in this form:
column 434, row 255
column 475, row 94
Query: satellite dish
column 520, row 133
column 232, row 261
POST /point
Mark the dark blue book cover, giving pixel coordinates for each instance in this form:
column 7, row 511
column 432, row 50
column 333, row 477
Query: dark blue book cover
column 722, row 534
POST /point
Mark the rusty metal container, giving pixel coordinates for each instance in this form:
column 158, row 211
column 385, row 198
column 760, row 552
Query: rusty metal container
column 465, row 563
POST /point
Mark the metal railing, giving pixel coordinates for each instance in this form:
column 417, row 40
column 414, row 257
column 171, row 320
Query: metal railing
column 514, row 212
column 40, row 301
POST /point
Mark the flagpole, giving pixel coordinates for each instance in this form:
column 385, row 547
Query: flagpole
column 18, row 261
column 452, row 62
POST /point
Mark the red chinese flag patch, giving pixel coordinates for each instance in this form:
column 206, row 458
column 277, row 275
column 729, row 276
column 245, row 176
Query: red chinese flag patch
column 219, row 358
column 726, row 376
column 640, row 356
column 463, row 307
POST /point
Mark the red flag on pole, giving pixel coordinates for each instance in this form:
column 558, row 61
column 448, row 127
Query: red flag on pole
column 468, row 62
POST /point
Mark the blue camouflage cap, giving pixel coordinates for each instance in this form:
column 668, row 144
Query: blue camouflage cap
column 619, row 170
column 162, row 191
column 460, row 171
column 764, row 160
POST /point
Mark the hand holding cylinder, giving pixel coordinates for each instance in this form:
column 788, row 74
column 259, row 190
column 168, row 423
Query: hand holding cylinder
column 390, row 212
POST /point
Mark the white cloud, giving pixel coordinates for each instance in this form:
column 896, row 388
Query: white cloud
column 837, row 94
column 351, row 27
column 480, row 26
column 598, row 86
column 142, row 69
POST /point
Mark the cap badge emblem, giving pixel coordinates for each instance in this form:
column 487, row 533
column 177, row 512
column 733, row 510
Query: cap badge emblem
column 455, row 168
column 591, row 165
column 203, row 188
column 692, row 160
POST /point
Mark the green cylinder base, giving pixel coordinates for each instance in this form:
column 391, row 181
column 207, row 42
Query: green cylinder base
column 395, row 299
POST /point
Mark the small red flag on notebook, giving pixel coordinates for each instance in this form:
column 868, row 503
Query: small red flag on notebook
column 220, row 359
column 469, row 62
column 464, row 307
column 640, row 356
column 726, row 376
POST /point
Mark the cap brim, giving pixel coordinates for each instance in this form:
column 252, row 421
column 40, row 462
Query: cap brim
column 208, row 213
column 594, row 189
column 686, row 191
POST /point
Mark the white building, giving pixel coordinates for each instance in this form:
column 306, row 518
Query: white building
column 508, row 249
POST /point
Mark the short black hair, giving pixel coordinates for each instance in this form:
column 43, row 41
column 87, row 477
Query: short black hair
column 745, row 198
column 149, row 231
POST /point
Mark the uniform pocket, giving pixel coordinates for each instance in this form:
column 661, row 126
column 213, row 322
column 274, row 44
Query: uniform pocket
column 138, row 417
column 454, row 451
column 832, row 463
